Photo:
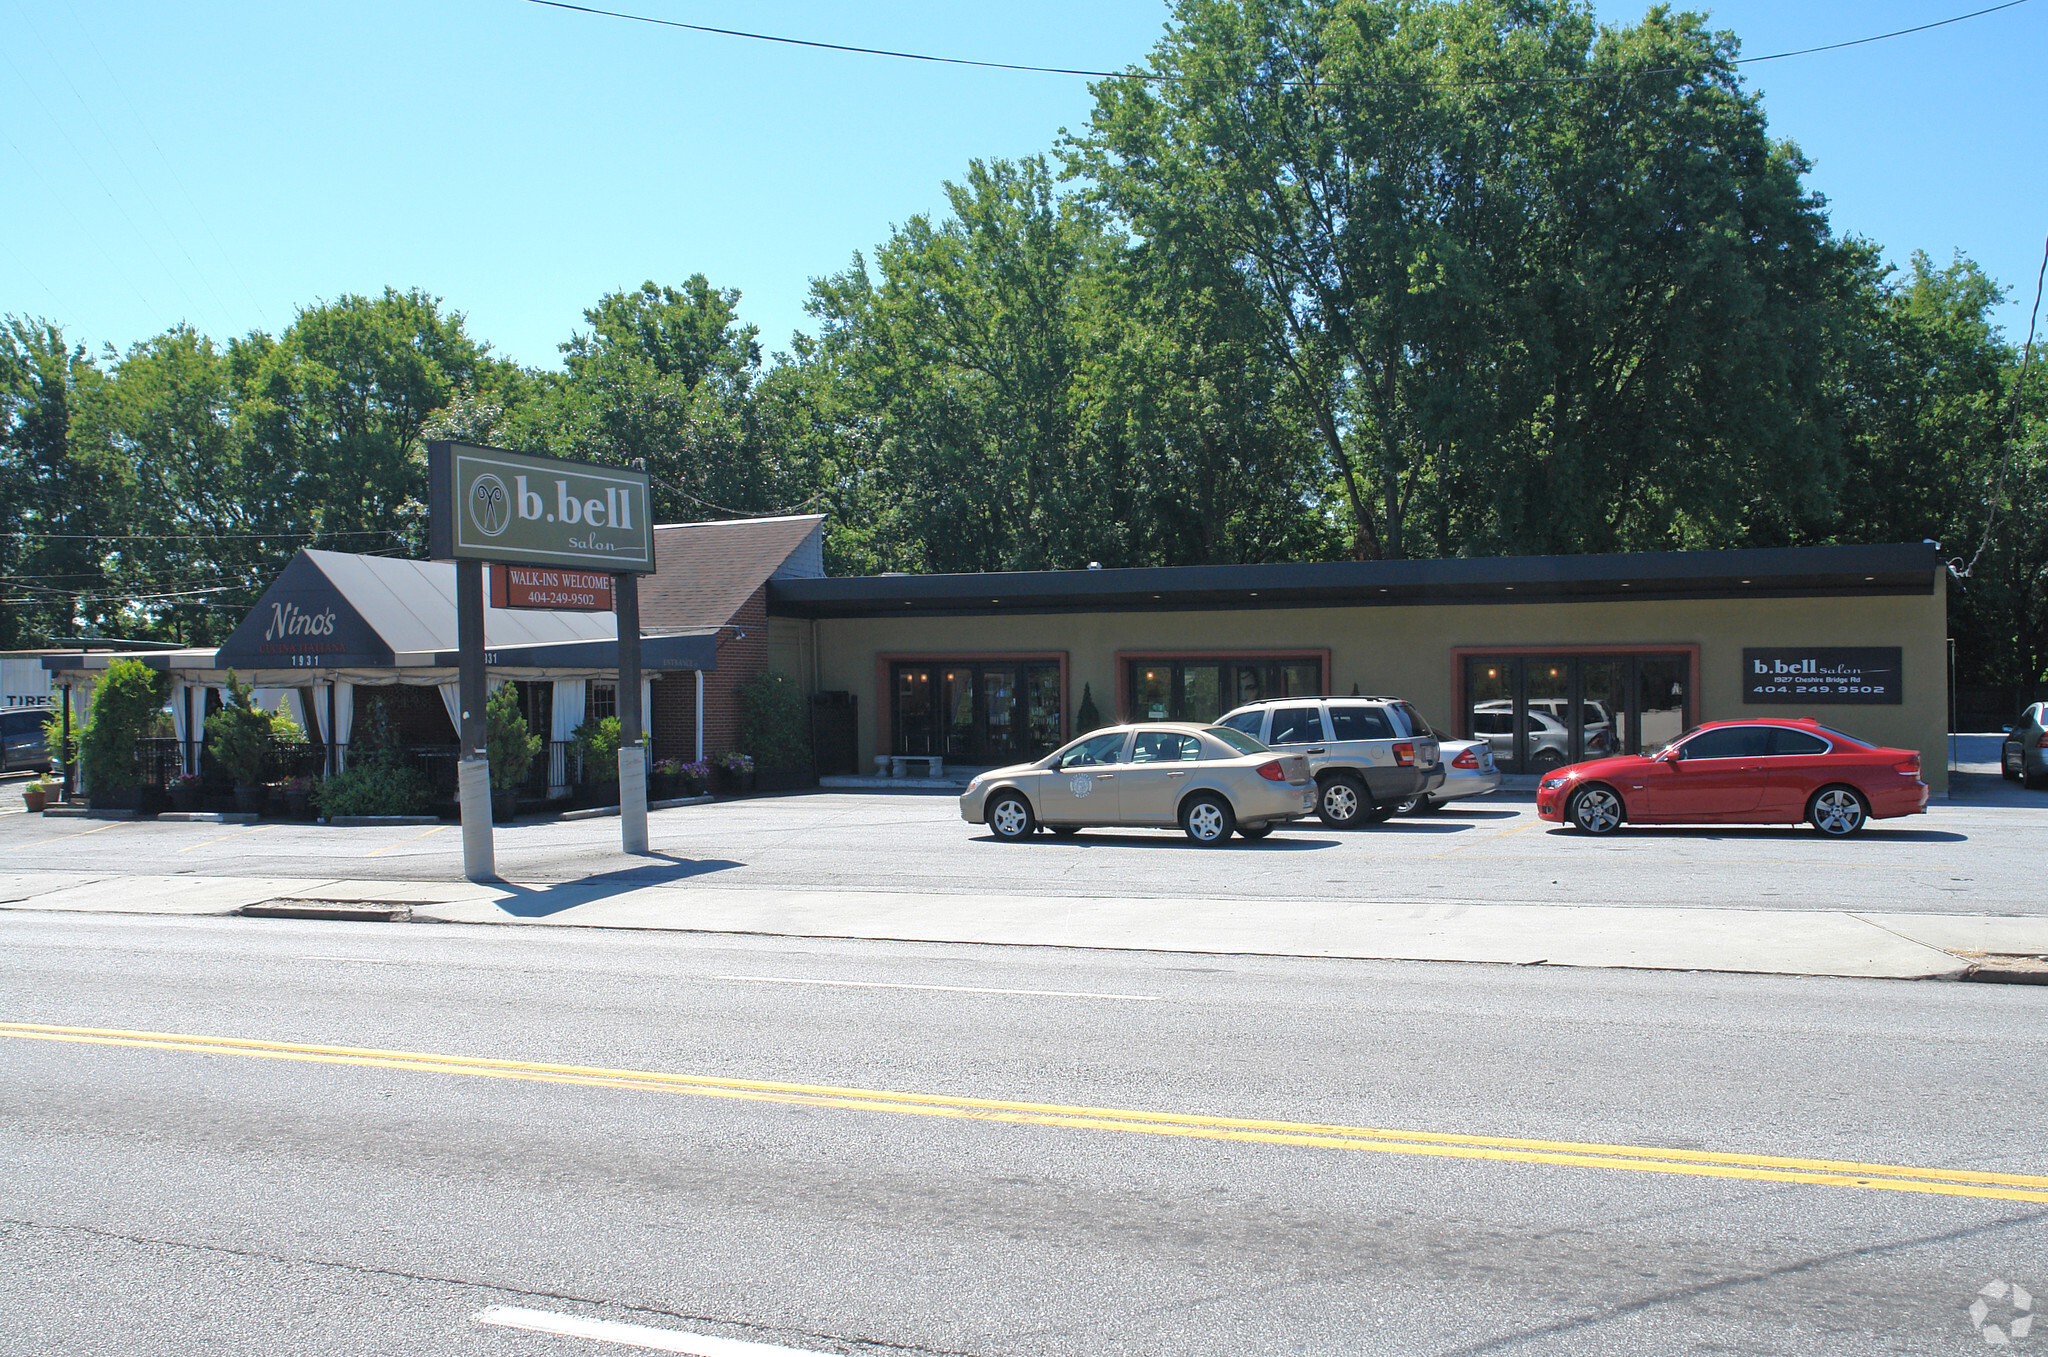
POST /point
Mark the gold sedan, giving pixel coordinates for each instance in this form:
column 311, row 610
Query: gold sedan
column 1210, row 780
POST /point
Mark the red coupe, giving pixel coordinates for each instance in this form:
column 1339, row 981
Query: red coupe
column 1741, row 772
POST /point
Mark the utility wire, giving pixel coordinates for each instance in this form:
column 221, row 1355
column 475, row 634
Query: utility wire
column 1141, row 75
column 2012, row 403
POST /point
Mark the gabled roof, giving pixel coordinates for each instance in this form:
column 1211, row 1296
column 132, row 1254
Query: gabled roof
column 1782, row 572
column 336, row 610
column 706, row 572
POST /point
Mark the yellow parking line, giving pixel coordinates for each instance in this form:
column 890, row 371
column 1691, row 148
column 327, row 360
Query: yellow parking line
column 403, row 842
column 242, row 833
column 1379, row 1140
column 59, row 838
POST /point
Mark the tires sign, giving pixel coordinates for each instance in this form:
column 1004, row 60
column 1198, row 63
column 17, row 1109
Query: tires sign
column 1824, row 675
column 487, row 504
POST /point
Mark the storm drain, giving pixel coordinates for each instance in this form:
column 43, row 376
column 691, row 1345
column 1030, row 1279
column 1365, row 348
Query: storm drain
column 2006, row 968
column 360, row 911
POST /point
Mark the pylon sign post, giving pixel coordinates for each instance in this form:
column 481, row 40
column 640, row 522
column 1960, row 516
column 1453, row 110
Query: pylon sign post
column 489, row 505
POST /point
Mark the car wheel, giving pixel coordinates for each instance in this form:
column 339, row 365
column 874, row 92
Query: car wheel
column 1838, row 811
column 1255, row 832
column 1419, row 805
column 1597, row 810
column 1341, row 802
column 1546, row 759
column 1064, row 831
column 2012, row 774
column 1009, row 819
column 1208, row 820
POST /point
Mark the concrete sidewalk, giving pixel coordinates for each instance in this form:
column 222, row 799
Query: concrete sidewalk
column 1774, row 942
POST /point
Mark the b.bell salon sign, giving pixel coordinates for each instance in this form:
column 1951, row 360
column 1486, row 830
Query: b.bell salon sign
column 1840, row 675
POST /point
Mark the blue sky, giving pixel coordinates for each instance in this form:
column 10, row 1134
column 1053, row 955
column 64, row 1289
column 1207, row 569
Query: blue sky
column 222, row 164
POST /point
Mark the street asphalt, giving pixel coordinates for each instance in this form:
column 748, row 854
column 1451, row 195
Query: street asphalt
column 179, row 1194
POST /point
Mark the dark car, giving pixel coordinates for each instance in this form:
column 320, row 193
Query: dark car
column 1742, row 772
column 2024, row 757
column 21, row 739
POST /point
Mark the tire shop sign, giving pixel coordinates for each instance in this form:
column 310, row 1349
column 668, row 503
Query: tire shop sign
column 1838, row 675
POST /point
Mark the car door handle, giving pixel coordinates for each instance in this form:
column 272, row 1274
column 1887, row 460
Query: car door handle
column 1175, row 772
column 1317, row 750
column 1105, row 776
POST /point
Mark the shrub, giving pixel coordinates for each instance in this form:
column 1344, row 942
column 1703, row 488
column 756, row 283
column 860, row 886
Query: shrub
column 775, row 721
column 241, row 734
column 378, row 785
column 511, row 747
column 598, row 743
column 125, row 704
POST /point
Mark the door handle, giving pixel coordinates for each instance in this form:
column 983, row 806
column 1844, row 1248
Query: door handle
column 1104, row 777
column 1176, row 774
column 1317, row 750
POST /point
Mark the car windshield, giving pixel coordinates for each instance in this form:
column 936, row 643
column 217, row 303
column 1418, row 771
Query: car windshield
column 1238, row 740
column 1676, row 740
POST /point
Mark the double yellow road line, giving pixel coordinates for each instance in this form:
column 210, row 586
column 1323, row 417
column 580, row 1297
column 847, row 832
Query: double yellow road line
column 1366, row 1139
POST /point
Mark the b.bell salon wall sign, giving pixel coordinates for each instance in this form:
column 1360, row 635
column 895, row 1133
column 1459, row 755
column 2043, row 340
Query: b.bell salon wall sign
column 516, row 586
column 1841, row 675
column 487, row 504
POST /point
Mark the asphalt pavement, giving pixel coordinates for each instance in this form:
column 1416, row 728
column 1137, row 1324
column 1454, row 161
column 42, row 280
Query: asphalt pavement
column 180, row 1194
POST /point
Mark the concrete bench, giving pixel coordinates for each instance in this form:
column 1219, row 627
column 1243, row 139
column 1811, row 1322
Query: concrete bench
column 898, row 765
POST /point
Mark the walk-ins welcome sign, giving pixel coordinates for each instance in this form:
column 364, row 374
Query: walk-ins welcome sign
column 487, row 504
column 1843, row 675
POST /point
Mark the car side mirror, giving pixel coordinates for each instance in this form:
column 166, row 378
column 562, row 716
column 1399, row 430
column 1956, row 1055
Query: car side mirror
column 2008, row 729
column 1672, row 757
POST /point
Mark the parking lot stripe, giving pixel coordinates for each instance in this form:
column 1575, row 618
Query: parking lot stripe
column 238, row 834
column 1364, row 1139
column 403, row 842
column 955, row 989
column 626, row 1335
column 59, row 838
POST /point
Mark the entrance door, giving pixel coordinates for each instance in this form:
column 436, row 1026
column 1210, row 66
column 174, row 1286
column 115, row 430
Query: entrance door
column 1541, row 712
column 976, row 713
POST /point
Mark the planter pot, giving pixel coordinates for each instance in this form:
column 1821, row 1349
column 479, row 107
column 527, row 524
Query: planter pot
column 299, row 805
column 504, row 805
column 126, row 798
column 598, row 794
column 730, row 781
column 35, row 798
column 662, row 786
column 249, row 799
column 689, row 786
column 186, row 798
column 784, row 779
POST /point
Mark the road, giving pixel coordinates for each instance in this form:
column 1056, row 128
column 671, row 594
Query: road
column 180, row 1195
column 1976, row 856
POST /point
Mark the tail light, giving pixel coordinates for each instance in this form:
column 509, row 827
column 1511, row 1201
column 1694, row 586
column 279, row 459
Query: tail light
column 1909, row 764
column 1272, row 771
column 2042, row 743
column 1468, row 759
column 1404, row 753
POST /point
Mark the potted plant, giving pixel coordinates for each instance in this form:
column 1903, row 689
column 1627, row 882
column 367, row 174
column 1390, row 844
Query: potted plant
column 240, row 735
column 597, row 744
column 35, row 796
column 298, row 796
column 511, row 747
column 735, row 771
column 665, row 779
column 125, row 703
column 693, row 778
column 187, row 790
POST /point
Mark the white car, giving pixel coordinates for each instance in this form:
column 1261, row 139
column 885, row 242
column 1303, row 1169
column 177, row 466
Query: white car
column 1469, row 771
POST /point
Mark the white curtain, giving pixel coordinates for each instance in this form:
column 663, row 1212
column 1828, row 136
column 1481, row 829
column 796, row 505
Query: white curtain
column 647, row 710
column 451, row 698
column 344, row 718
column 566, row 713
column 177, row 705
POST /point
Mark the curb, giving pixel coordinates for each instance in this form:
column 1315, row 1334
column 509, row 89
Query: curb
column 361, row 911
column 366, row 821
column 82, row 813
column 598, row 812
column 208, row 817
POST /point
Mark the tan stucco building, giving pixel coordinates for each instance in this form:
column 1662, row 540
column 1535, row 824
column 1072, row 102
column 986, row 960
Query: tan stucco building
column 1551, row 659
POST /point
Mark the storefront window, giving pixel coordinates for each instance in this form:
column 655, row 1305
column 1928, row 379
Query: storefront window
column 601, row 699
column 1202, row 690
column 977, row 713
column 1543, row 711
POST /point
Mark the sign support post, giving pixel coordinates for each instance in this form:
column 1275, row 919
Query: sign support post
column 632, row 752
column 473, row 771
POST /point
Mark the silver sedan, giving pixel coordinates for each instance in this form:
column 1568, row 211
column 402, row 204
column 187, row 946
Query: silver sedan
column 1469, row 771
column 1209, row 780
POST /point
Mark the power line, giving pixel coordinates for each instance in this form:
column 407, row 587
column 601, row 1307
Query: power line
column 199, row 536
column 1144, row 76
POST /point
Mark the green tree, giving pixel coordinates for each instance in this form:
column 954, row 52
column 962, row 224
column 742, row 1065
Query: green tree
column 127, row 703
column 510, row 746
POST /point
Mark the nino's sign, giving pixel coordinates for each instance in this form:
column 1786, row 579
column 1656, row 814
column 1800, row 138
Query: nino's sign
column 487, row 504
column 1836, row 675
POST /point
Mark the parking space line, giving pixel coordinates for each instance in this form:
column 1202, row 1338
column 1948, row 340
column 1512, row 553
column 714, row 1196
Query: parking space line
column 626, row 1335
column 59, row 838
column 403, row 842
column 241, row 833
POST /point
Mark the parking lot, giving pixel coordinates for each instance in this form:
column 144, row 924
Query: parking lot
column 1980, row 853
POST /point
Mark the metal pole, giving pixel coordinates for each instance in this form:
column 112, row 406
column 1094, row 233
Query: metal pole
column 332, row 769
column 700, row 717
column 632, row 753
column 473, row 772
column 65, row 751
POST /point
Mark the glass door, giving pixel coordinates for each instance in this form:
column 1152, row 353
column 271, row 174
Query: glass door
column 1543, row 711
column 977, row 713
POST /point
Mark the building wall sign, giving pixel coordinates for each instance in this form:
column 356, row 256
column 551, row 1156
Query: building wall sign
column 303, row 622
column 486, row 504
column 518, row 586
column 1841, row 675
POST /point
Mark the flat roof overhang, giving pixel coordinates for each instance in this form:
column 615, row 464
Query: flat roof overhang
column 1760, row 573
column 678, row 650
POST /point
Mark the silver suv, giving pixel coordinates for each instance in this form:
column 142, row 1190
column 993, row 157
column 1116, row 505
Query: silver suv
column 1368, row 754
